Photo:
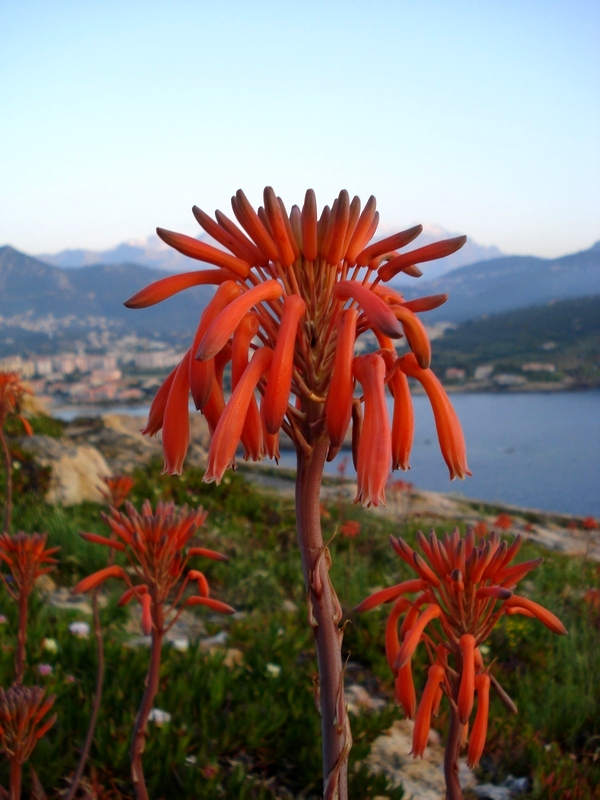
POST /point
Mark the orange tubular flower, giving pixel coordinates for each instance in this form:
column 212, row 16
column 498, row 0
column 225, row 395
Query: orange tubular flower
column 373, row 465
column 156, row 546
column 459, row 602
column 314, row 286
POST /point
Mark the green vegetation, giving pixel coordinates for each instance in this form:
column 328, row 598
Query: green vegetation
column 243, row 721
column 565, row 334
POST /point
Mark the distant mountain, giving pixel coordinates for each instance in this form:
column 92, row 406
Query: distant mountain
column 510, row 283
column 153, row 252
column 150, row 252
column 39, row 298
column 34, row 290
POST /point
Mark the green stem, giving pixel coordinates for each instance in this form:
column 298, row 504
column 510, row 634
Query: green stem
column 325, row 615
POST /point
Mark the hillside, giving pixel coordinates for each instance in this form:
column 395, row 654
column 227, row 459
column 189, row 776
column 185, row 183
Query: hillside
column 564, row 336
column 153, row 252
column 37, row 298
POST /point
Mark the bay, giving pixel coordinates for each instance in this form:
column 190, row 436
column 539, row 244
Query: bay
column 535, row 450
column 538, row 450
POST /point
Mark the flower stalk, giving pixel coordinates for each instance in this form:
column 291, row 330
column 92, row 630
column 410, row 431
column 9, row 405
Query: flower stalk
column 156, row 545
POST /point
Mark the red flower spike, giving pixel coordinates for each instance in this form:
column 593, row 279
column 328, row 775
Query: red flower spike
column 373, row 462
column 279, row 384
column 459, row 595
column 467, row 685
column 479, row 730
column 156, row 545
column 435, row 677
column 290, row 259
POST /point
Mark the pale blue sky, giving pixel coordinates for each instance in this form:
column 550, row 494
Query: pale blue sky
column 482, row 117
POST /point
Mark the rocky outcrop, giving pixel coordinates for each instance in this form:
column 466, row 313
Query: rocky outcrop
column 119, row 440
column 421, row 778
column 77, row 470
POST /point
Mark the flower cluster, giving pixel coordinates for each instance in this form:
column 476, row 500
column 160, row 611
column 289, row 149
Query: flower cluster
column 118, row 489
column 27, row 558
column 463, row 588
column 295, row 292
column 22, row 710
column 156, row 547
column 12, row 392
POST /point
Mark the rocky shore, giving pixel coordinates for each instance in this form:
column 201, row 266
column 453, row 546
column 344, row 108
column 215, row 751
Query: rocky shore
column 92, row 447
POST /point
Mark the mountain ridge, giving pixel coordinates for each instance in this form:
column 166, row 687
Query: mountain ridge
column 93, row 295
column 153, row 252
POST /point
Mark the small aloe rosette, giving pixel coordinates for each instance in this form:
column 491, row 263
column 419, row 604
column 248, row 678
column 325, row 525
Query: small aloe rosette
column 22, row 725
column 296, row 291
column 462, row 589
column 158, row 575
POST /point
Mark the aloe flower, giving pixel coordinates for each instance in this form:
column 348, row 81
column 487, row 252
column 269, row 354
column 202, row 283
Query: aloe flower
column 22, row 725
column 12, row 393
column 117, row 489
column 156, row 545
column 296, row 291
column 463, row 589
column 27, row 558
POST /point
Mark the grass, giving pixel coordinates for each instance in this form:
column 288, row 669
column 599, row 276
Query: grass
column 243, row 724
